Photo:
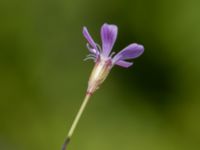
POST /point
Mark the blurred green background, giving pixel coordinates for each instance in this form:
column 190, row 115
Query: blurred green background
column 154, row 105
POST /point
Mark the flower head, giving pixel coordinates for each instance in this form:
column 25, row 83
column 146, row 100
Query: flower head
column 104, row 59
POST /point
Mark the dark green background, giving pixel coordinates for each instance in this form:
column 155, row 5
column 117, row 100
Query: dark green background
column 154, row 105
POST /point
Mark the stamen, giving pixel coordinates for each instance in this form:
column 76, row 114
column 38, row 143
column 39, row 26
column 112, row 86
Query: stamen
column 113, row 53
column 88, row 46
column 91, row 49
column 94, row 55
column 89, row 57
column 99, row 47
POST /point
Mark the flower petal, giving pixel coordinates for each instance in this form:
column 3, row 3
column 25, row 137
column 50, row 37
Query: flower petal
column 130, row 52
column 108, row 37
column 89, row 39
column 124, row 64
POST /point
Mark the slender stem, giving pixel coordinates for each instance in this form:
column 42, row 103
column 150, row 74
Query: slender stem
column 76, row 120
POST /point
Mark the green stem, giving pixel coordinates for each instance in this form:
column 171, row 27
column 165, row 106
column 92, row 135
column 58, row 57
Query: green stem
column 76, row 120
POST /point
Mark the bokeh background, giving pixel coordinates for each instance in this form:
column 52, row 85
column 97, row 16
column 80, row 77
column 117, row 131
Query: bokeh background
column 154, row 105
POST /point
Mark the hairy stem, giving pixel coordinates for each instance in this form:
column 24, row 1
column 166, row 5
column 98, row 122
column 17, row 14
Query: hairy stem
column 76, row 120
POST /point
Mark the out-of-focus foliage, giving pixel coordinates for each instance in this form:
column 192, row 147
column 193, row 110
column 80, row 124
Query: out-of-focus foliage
column 154, row 105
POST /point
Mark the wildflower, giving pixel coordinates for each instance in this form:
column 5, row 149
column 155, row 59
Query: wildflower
column 104, row 59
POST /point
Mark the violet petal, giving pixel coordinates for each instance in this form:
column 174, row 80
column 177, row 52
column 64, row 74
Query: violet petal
column 124, row 64
column 108, row 37
column 90, row 40
column 129, row 52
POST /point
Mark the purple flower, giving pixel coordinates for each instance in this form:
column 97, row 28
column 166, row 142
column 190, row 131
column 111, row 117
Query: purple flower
column 104, row 59
column 108, row 37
